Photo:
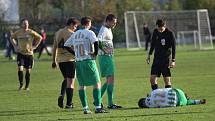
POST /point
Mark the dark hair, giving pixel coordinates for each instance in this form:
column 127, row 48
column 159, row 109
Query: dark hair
column 85, row 20
column 110, row 17
column 72, row 21
column 141, row 103
column 21, row 21
column 160, row 23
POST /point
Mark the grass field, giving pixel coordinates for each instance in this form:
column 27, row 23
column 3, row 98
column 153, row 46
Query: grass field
column 195, row 74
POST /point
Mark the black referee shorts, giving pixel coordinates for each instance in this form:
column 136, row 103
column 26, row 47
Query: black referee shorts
column 161, row 68
column 25, row 60
column 67, row 69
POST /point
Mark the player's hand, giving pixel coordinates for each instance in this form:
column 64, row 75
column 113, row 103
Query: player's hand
column 172, row 65
column 34, row 47
column 107, row 50
column 93, row 55
column 148, row 59
column 54, row 65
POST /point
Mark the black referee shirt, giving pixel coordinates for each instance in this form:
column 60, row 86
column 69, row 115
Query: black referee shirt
column 164, row 45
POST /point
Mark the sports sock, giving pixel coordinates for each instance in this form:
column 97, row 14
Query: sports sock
column 110, row 93
column 27, row 79
column 193, row 102
column 97, row 97
column 20, row 75
column 63, row 88
column 69, row 95
column 103, row 89
column 154, row 87
column 83, row 97
column 168, row 86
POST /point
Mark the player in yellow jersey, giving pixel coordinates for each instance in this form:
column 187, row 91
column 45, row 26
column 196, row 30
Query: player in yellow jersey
column 66, row 61
column 22, row 40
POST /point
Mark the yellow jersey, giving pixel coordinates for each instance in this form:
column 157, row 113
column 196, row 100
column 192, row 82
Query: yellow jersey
column 24, row 40
column 62, row 55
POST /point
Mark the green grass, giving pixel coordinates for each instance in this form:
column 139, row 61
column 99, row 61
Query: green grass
column 195, row 74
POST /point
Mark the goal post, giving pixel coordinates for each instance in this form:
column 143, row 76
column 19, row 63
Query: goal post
column 192, row 27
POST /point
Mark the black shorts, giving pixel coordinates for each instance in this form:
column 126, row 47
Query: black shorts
column 25, row 60
column 161, row 68
column 67, row 69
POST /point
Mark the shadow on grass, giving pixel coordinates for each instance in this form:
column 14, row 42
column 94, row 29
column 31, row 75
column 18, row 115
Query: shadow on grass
column 35, row 112
column 104, row 116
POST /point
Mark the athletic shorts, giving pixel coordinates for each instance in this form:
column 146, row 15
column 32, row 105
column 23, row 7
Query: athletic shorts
column 106, row 65
column 159, row 68
column 182, row 100
column 87, row 73
column 25, row 60
column 67, row 69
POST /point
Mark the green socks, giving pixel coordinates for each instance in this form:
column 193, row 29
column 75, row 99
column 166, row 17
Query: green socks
column 110, row 93
column 103, row 89
column 193, row 102
column 97, row 97
column 83, row 97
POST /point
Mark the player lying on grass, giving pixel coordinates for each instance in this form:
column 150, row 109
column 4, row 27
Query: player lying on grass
column 167, row 97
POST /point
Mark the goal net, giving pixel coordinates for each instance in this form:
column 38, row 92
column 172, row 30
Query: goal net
column 191, row 27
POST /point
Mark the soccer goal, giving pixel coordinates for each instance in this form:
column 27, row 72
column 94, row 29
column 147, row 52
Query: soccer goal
column 191, row 27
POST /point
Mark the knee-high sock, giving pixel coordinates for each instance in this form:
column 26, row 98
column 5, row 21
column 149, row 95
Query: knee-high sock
column 110, row 92
column 20, row 75
column 154, row 87
column 193, row 102
column 83, row 97
column 27, row 79
column 103, row 89
column 69, row 95
column 97, row 97
column 63, row 88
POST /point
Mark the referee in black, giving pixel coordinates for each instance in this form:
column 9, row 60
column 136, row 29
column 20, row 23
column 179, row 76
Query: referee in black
column 163, row 42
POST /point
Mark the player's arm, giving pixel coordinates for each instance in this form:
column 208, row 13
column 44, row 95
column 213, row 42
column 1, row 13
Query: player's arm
column 95, row 42
column 96, row 48
column 152, row 47
column 37, row 38
column 172, row 64
column 68, row 45
column 54, row 52
column 13, row 41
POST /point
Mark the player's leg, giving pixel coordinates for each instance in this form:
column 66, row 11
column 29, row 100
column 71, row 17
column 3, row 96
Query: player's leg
column 196, row 102
column 62, row 93
column 102, row 69
column 97, row 98
column 153, row 81
column 167, row 76
column 27, row 79
column 40, row 47
column 20, row 64
column 62, row 67
column 70, row 73
column 155, row 73
column 83, row 98
column 110, row 93
column 28, row 64
column 167, row 81
column 47, row 51
column 147, row 39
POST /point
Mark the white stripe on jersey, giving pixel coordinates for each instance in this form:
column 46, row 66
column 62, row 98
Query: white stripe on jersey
column 105, row 36
column 164, row 97
column 82, row 40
